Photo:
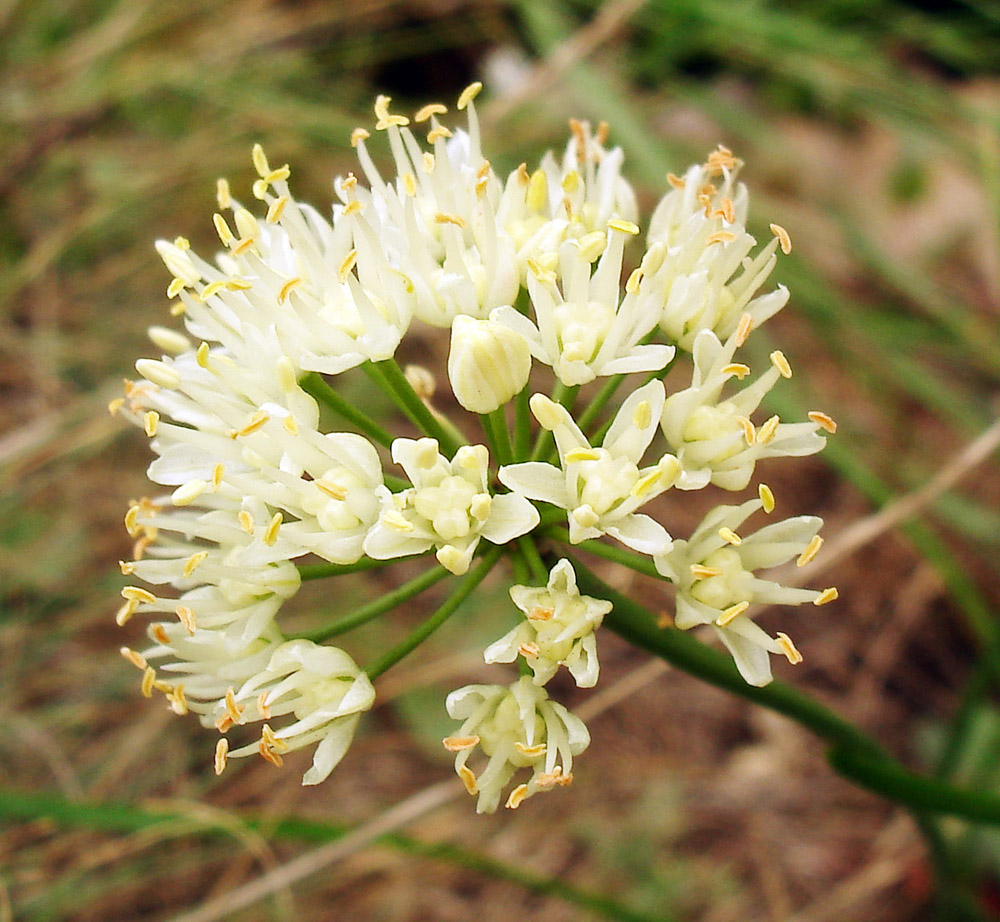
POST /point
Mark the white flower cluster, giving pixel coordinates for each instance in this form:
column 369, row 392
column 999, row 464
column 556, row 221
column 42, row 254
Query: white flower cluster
column 524, row 272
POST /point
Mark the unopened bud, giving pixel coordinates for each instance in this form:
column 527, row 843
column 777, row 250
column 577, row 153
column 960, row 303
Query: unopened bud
column 488, row 363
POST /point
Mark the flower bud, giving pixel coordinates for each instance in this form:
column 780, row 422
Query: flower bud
column 488, row 363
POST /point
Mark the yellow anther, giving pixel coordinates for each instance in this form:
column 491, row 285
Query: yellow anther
column 537, row 196
column 221, row 751
column 124, row 614
column 632, row 285
column 730, row 536
column 222, row 229
column 213, row 288
column 592, row 245
column 779, row 361
column 532, row 752
column 528, row 650
column 766, row 498
column 468, row 94
column 582, row 454
column 243, row 245
column 131, row 523
column 743, row 329
column 396, row 521
column 115, row 405
column 233, row 710
column 783, row 238
column 721, row 159
column 175, row 287
column 186, row 617
column 178, row 703
column 138, row 594
column 290, row 425
column 276, row 208
column 259, row 189
column 601, row 135
column 202, row 354
column 263, row 708
column 353, row 207
column 823, row 421
column 642, row 415
column 385, row 118
column 626, row 227
column 127, row 567
column 188, row 492
column 260, row 163
column 135, row 658
column 827, row 595
column 644, row 484
column 749, row 433
column 734, row 611
column 246, row 521
column 726, row 211
column 720, row 237
column 541, row 614
column 468, row 777
column 333, row 490
column 460, row 743
column 267, row 735
column 160, row 634
column 428, row 162
column 571, row 182
column 257, row 421
column 149, row 423
column 286, row 289
column 410, row 184
column 736, row 370
column 191, row 564
column 444, row 218
column 700, row 571
column 675, row 181
column 810, row 552
column 789, row 649
column 359, row 135
column 222, row 194
column 766, row 432
column 437, row 133
column 279, row 175
column 271, row 532
column 425, row 112
column 148, row 678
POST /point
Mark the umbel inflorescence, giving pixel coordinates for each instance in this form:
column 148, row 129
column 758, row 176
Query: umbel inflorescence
column 527, row 275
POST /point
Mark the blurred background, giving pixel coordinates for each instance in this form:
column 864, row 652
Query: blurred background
column 871, row 130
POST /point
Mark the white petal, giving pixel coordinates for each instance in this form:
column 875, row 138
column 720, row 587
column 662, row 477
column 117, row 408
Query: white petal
column 642, row 534
column 536, row 480
column 510, row 517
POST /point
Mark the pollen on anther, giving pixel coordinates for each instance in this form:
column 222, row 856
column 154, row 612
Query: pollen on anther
column 425, row 112
column 675, row 181
column 148, row 678
column 150, row 422
column 743, row 329
column 186, row 617
column 347, row 265
column 766, row 498
column 246, row 521
column 221, row 751
column 460, row 743
column 737, row 370
column 810, row 552
column 469, row 779
column 359, row 135
column 263, row 708
column 749, row 433
column 276, row 208
column 444, row 218
column 784, row 239
column 720, row 237
column 781, row 363
column 789, row 649
column 287, row 288
column 135, row 658
column 766, row 431
column 626, row 227
column 528, row 649
column 730, row 536
column 517, row 796
column 734, row 611
column 271, row 532
column 468, row 94
column 700, row 571
column 827, row 595
column 823, row 421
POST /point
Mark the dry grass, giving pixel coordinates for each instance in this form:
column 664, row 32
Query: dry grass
column 879, row 152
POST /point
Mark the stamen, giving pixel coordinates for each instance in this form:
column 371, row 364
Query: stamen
column 271, row 532
column 191, row 564
column 148, row 677
column 743, row 329
column 468, row 94
column 149, row 423
column 700, row 571
column 432, row 108
column 827, row 595
column 720, row 237
column 528, row 650
column 135, row 658
column 263, row 707
column 784, row 239
column 734, row 611
column 531, row 752
column 823, row 421
column 276, row 208
column 737, row 370
column 749, row 433
column 359, row 135
column 730, row 536
column 186, row 617
column 626, row 227
column 766, row 498
column 810, row 552
column 287, row 288
column 766, row 432
column 222, row 194
column 541, row 614
column 675, row 181
column 221, row 751
column 517, row 796
column 779, row 361
column 460, row 743
column 468, row 777
column 789, row 649
column 442, row 218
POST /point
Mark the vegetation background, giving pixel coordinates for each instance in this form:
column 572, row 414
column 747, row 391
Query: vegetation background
column 870, row 128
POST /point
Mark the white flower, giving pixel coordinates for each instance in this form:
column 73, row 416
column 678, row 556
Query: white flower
column 716, row 584
column 567, row 198
column 715, row 439
column 559, row 629
column 516, row 727
column 602, row 487
column 699, row 238
column 322, row 688
column 199, row 669
column 488, row 364
column 582, row 330
column 437, row 222
column 449, row 507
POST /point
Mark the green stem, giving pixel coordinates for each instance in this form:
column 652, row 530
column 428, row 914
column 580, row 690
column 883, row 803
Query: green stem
column 522, row 425
column 314, row 384
column 626, row 558
column 122, row 818
column 417, row 637
column 378, row 606
column 503, row 450
column 389, row 375
column 311, row 571
column 599, row 402
column 976, row 687
column 537, row 566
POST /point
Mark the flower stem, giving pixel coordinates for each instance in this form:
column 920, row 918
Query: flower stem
column 390, row 376
column 501, row 435
column 314, row 384
column 417, row 637
column 598, row 403
column 378, row 606
column 619, row 555
column 522, row 425
column 539, row 571
column 311, row 571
